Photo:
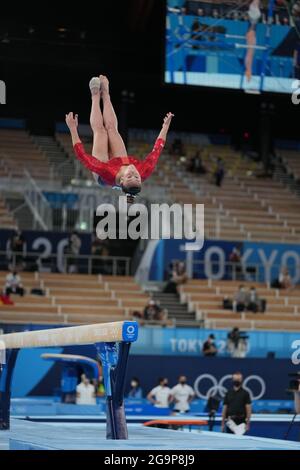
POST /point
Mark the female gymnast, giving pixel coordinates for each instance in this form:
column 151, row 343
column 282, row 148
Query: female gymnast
column 254, row 15
column 109, row 163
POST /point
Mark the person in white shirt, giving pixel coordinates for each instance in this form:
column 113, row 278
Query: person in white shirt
column 85, row 392
column 160, row 396
column 182, row 395
column 13, row 284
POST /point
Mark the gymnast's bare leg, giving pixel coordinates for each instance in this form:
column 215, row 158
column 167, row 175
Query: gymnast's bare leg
column 100, row 136
column 254, row 15
column 116, row 145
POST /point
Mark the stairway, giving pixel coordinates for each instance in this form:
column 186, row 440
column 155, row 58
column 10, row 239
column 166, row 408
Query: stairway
column 281, row 174
column 63, row 167
column 177, row 311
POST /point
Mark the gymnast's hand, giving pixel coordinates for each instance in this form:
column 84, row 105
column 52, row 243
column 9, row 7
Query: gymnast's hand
column 165, row 127
column 71, row 121
column 167, row 120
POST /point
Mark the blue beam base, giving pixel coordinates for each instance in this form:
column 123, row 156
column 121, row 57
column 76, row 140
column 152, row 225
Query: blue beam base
column 6, row 375
column 114, row 359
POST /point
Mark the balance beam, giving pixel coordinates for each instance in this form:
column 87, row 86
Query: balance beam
column 70, row 336
column 112, row 342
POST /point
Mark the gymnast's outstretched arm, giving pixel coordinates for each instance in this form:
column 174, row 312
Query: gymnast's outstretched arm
column 72, row 123
column 151, row 160
column 88, row 161
column 165, row 127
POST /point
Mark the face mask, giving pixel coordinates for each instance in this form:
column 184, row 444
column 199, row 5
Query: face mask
column 133, row 384
column 237, row 383
column 182, row 382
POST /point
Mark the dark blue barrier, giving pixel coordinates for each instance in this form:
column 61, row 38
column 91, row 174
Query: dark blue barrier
column 266, row 379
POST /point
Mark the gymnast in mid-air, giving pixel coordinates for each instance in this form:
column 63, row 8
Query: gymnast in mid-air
column 254, row 15
column 109, row 161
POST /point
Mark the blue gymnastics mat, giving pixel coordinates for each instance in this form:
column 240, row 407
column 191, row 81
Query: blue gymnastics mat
column 25, row 435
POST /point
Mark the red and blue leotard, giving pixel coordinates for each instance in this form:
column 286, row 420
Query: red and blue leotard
column 109, row 170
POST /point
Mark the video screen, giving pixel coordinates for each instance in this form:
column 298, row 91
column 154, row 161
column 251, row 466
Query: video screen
column 251, row 45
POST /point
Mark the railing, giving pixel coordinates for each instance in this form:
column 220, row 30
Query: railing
column 37, row 203
column 4, row 163
column 65, row 262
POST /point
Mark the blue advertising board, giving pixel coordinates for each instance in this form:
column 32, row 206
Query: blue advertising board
column 45, row 244
column 212, row 260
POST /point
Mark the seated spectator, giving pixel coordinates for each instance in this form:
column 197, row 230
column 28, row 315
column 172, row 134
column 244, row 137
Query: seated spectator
column 151, row 311
column 240, row 300
column 13, row 284
column 285, row 281
column 254, row 302
column 16, row 250
column 85, row 392
column 160, row 396
column 135, row 389
column 237, row 343
column 177, row 278
column 209, row 347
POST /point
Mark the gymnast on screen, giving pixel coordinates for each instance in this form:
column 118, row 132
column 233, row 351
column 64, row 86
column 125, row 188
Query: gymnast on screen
column 254, row 15
column 109, row 161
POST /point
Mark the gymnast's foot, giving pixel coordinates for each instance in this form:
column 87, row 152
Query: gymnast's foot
column 95, row 86
column 248, row 74
column 104, row 84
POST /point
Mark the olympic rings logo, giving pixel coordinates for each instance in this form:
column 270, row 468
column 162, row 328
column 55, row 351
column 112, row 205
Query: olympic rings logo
column 130, row 329
column 220, row 389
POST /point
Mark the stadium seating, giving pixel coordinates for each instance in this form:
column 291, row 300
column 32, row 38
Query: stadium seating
column 74, row 299
column 244, row 207
column 6, row 218
column 18, row 152
column 78, row 298
column 291, row 161
column 206, row 298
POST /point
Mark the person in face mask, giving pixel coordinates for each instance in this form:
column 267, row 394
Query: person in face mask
column 236, row 412
column 182, row 395
column 160, row 396
column 135, row 389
